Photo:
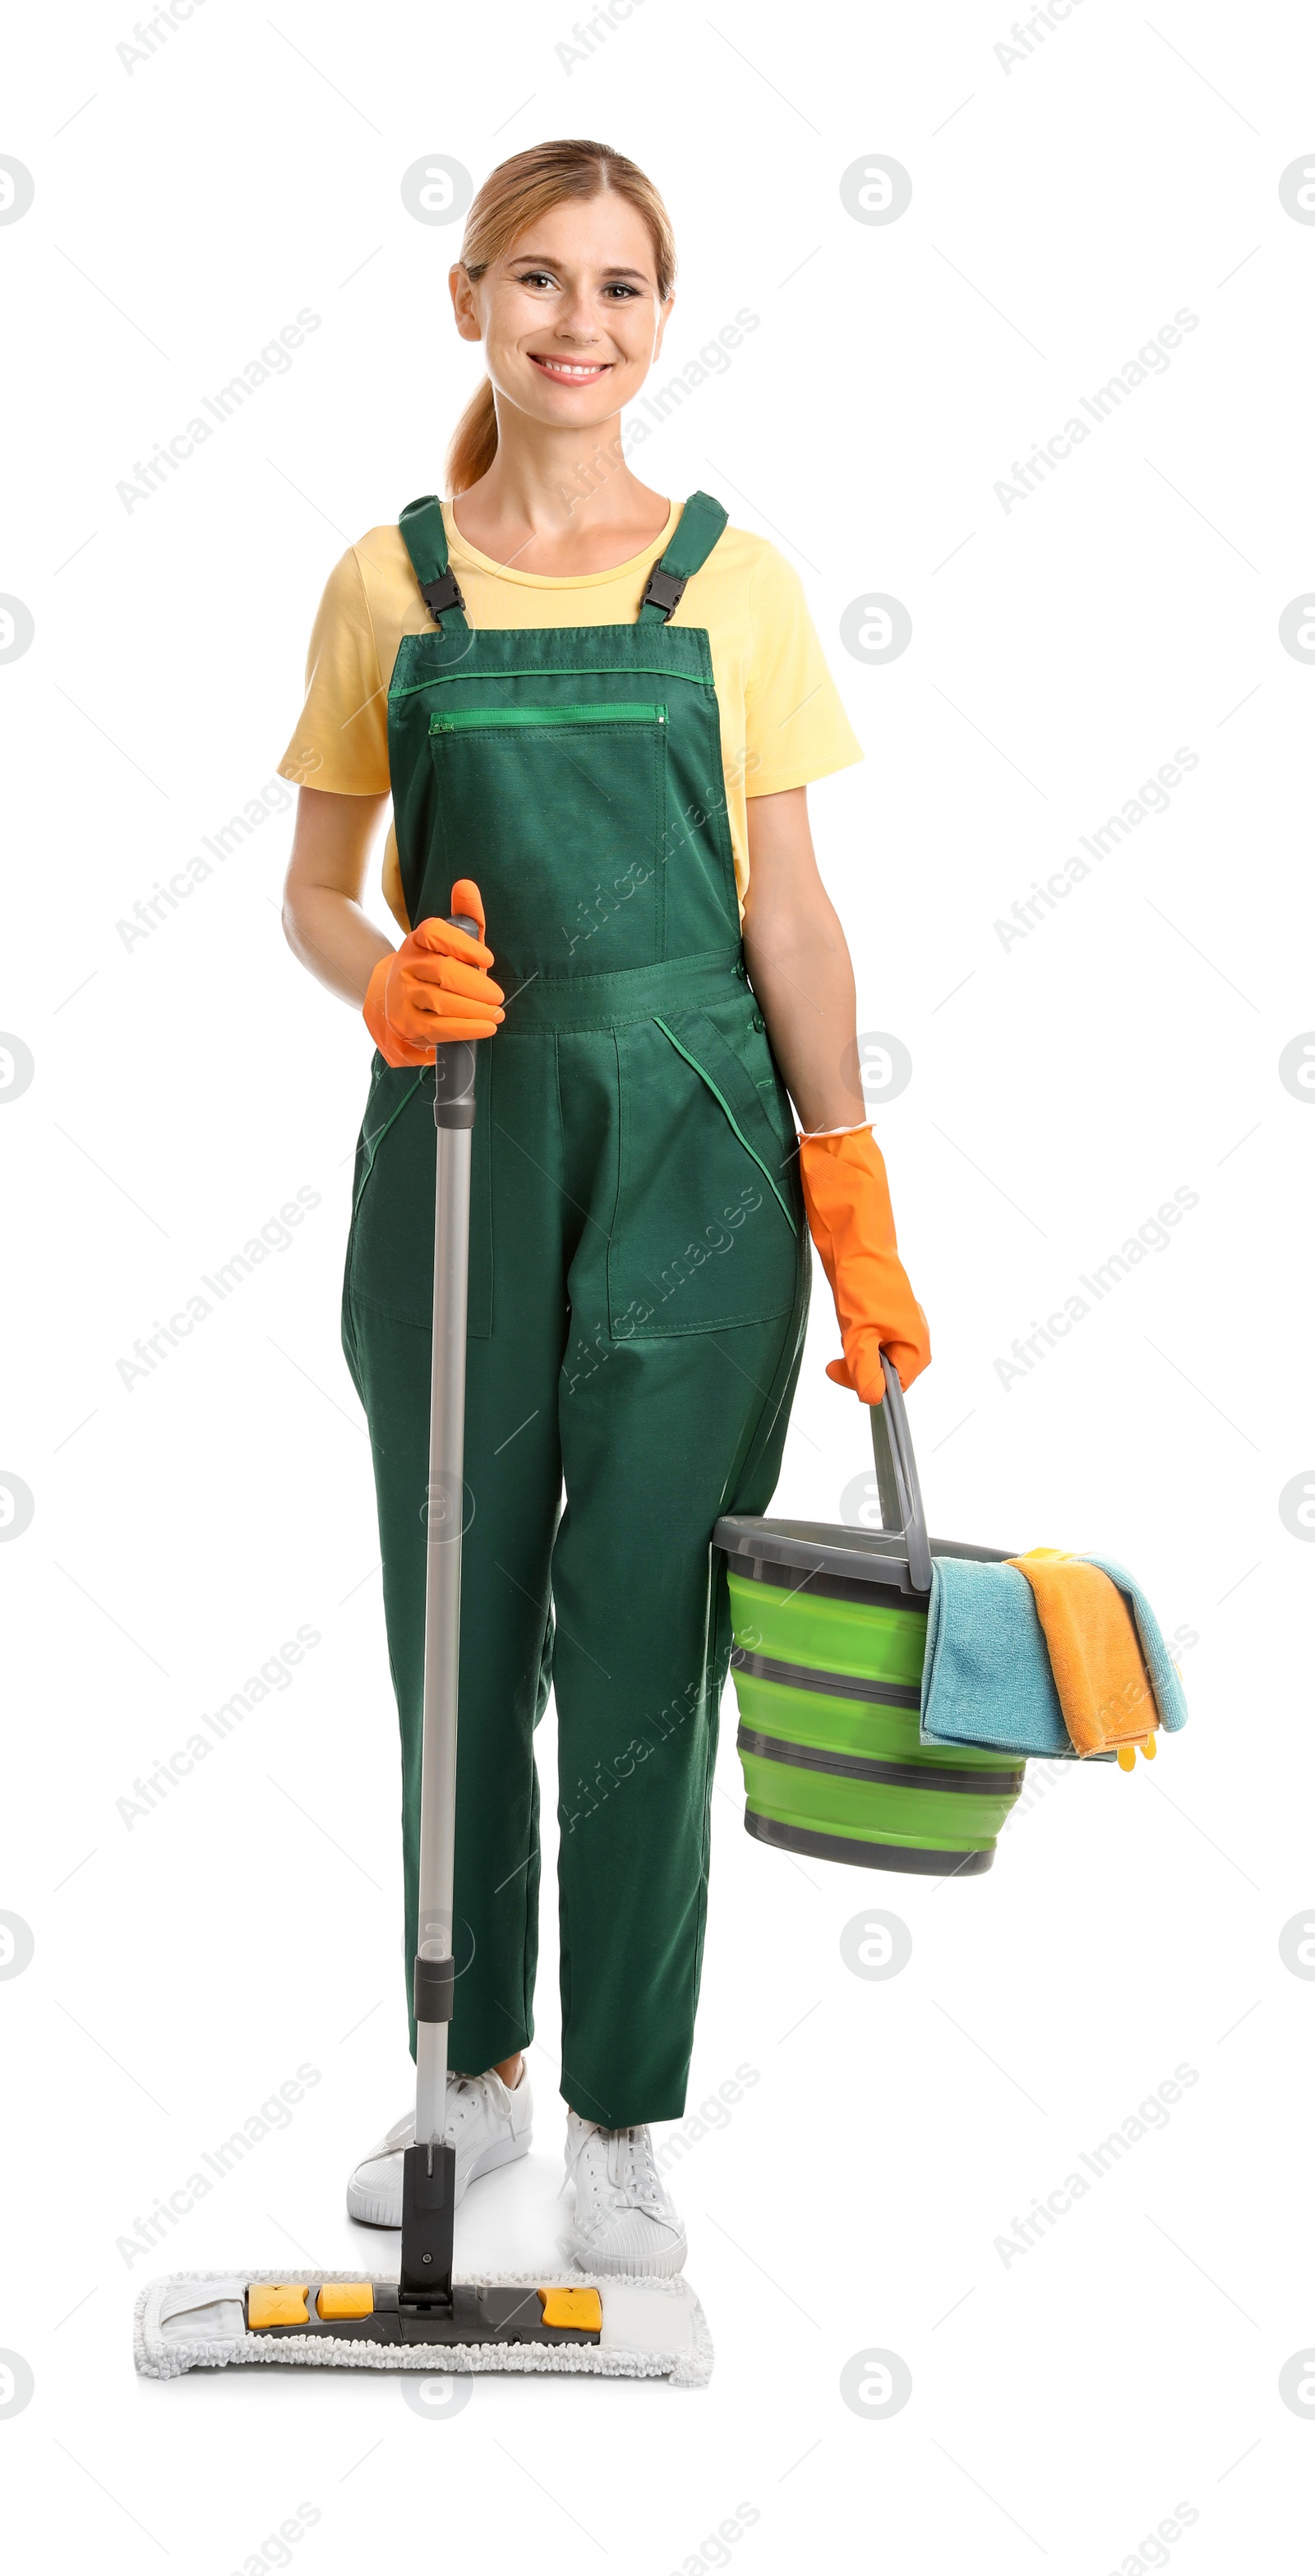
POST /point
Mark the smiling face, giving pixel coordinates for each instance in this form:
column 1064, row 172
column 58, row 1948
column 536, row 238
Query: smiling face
column 570, row 317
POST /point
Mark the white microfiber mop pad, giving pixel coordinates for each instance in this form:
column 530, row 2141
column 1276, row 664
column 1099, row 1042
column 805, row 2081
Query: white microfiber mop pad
column 652, row 2329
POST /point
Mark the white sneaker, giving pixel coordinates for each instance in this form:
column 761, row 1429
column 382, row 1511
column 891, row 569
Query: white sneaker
column 487, row 2124
column 625, row 2220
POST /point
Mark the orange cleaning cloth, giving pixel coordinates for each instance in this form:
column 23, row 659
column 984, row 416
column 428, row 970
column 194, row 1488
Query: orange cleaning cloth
column 1095, row 1654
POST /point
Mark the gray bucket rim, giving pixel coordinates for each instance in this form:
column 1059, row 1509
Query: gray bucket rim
column 867, row 1559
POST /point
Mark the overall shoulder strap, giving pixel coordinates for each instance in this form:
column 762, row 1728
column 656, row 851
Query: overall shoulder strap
column 425, row 538
column 699, row 526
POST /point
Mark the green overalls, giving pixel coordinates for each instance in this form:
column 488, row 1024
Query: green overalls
column 638, row 1293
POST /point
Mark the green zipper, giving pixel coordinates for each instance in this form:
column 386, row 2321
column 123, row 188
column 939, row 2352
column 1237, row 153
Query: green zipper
column 482, row 719
column 586, row 671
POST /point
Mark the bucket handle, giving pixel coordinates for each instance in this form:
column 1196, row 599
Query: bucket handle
column 898, row 1489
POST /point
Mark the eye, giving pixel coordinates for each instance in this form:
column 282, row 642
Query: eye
column 620, row 289
column 535, row 277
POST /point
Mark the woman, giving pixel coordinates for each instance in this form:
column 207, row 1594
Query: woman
column 605, row 709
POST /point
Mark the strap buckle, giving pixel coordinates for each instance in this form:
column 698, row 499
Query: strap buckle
column 444, row 593
column 665, row 591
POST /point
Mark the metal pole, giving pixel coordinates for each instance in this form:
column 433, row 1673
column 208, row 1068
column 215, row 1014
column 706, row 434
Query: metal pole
column 454, row 1112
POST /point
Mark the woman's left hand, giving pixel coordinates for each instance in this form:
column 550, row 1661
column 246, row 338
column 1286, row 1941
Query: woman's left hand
column 849, row 1216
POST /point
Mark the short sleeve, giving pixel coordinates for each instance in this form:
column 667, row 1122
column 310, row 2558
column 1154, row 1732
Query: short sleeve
column 341, row 741
column 795, row 726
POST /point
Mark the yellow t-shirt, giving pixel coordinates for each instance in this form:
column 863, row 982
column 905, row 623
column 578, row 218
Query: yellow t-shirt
column 782, row 723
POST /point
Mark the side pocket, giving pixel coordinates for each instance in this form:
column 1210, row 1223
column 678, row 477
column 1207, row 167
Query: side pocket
column 728, row 1080
column 390, row 1247
column 706, row 1227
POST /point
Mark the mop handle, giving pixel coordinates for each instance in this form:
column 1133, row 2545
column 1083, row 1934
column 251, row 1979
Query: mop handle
column 898, row 1488
column 445, row 1514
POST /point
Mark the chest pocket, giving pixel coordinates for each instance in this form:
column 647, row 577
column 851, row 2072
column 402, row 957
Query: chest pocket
column 708, row 1226
column 558, row 812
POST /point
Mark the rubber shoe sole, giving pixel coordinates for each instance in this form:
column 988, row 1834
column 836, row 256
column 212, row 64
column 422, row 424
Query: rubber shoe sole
column 632, row 2262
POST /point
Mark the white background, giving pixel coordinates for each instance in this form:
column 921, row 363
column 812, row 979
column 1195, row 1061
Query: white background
column 1064, row 207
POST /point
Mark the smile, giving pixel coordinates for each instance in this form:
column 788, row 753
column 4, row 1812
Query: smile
column 568, row 372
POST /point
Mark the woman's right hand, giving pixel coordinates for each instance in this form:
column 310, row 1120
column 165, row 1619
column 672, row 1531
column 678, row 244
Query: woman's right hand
column 434, row 988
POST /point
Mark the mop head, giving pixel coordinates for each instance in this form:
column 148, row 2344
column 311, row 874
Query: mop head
column 651, row 2329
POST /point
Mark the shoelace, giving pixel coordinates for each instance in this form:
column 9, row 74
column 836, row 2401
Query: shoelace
column 466, row 2094
column 628, row 2164
column 463, row 2094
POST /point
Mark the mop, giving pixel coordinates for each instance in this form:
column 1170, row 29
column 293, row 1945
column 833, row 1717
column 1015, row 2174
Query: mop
column 425, row 2320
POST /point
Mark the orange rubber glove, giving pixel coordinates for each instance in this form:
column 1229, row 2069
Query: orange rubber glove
column 849, row 1218
column 433, row 988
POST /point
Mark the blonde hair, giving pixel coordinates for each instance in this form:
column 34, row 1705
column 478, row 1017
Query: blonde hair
column 514, row 195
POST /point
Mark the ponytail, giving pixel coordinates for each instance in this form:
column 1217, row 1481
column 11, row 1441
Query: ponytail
column 474, row 442
column 514, row 195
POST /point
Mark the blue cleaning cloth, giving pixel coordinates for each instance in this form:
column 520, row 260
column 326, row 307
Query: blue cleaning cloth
column 986, row 1677
column 1168, row 1689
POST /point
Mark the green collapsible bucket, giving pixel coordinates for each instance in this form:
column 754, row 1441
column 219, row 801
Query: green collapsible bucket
column 830, row 1630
